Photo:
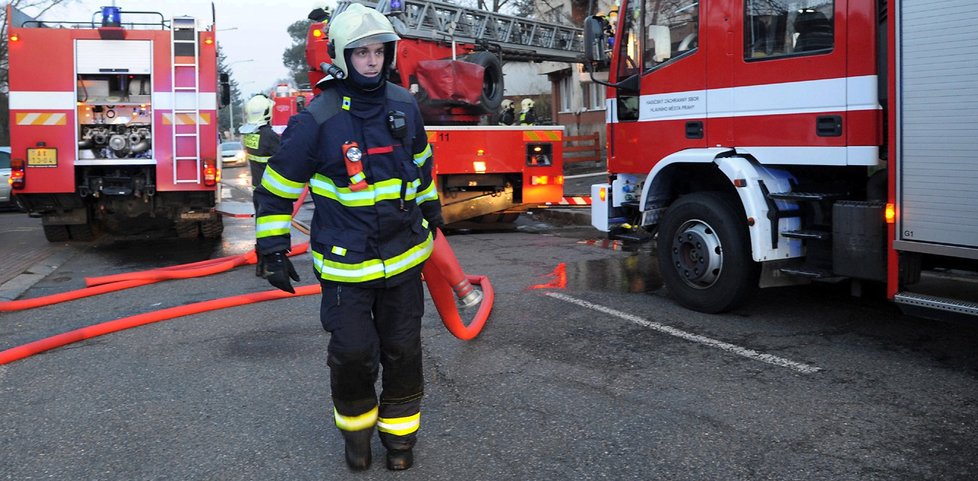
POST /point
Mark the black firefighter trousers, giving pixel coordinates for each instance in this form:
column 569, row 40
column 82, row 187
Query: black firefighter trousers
column 373, row 327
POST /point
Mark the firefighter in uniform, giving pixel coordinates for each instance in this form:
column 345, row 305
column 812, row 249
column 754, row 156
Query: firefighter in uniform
column 528, row 116
column 362, row 148
column 508, row 115
column 260, row 141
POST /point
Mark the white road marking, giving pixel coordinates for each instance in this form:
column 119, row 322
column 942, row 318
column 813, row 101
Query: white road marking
column 672, row 331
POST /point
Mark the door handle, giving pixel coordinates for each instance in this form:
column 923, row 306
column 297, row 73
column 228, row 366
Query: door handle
column 828, row 126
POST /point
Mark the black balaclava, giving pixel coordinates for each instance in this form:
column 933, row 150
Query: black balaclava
column 368, row 84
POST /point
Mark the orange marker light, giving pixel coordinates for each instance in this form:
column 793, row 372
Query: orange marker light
column 890, row 213
column 603, row 194
column 14, row 37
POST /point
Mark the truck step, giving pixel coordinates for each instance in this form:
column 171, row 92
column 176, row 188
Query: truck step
column 808, row 234
column 803, row 196
column 807, row 272
column 946, row 304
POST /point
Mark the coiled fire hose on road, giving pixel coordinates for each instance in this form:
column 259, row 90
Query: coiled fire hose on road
column 443, row 274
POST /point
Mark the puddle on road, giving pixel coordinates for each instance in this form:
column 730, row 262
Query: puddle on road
column 638, row 272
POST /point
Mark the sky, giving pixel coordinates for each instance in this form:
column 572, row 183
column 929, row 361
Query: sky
column 251, row 33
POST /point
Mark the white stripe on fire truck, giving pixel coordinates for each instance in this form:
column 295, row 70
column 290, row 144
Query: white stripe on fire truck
column 33, row 100
column 20, row 100
column 810, row 96
column 185, row 100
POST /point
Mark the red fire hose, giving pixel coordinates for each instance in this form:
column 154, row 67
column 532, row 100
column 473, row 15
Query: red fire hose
column 442, row 275
column 29, row 349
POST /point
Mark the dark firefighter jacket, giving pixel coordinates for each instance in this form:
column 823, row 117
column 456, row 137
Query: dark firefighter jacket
column 370, row 237
column 262, row 144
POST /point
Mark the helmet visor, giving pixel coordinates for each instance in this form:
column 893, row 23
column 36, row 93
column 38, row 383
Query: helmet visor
column 382, row 37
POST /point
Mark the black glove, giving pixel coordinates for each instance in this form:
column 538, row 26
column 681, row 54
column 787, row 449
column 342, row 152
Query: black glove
column 277, row 268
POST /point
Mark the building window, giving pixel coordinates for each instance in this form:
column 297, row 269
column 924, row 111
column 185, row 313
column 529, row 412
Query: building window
column 776, row 28
column 594, row 96
column 566, row 93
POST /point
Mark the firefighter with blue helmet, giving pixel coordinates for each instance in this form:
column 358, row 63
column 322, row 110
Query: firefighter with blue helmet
column 361, row 147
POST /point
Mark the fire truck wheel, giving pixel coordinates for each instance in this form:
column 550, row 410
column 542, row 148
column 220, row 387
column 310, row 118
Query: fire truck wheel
column 212, row 229
column 492, row 81
column 56, row 233
column 704, row 253
column 187, row 230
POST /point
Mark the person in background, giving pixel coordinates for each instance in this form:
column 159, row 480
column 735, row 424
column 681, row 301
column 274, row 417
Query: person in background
column 528, row 116
column 260, row 141
column 508, row 114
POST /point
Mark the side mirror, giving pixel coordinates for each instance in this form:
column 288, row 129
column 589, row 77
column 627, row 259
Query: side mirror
column 595, row 40
column 225, row 89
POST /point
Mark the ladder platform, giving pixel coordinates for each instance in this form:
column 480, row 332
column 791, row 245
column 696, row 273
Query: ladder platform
column 946, row 304
column 518, row 37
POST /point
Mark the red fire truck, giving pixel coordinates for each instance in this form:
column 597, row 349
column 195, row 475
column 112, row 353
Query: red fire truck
column 288, row 102
column 114, row 124
column 767, row 142
column 449, row 56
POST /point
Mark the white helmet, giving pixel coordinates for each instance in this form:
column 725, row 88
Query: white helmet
column 527, row 104
column 258, row 112
column 507, row 104
column 357, row 26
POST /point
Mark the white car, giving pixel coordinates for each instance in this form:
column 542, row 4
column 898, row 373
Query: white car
column 6, row 201
column 233, row 153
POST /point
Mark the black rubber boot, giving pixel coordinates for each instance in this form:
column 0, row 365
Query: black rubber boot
column 358, row 448
column 399, row 460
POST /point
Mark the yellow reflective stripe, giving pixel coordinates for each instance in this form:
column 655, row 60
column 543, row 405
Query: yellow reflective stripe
column 251, row 141
column 374, row 268
column 356, row 423
column 412, row 257
column 338, row 271
column 338, row 251
column 346, row 103
column 384, row 190
column 429, row 193
column 399, row 426
column 357, row 177
column 260, row 159
column 272, row 225
column 277, row 184
column 424, row 155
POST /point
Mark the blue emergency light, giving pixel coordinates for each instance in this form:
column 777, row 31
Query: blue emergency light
column 111, row 17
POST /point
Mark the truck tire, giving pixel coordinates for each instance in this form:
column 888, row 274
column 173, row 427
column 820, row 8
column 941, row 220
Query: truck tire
column 56, row 233
column 704, row 253
column 492, row 81
column 212, row 229
column 187, row 230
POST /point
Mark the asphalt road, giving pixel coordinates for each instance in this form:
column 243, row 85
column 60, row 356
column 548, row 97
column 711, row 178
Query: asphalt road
column 585, row 370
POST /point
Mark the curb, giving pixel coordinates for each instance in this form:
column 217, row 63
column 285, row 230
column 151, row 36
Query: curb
column 13, row 288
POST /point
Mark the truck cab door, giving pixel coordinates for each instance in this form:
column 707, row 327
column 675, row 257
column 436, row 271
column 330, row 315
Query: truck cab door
column 782, row 86
column 660, row 106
